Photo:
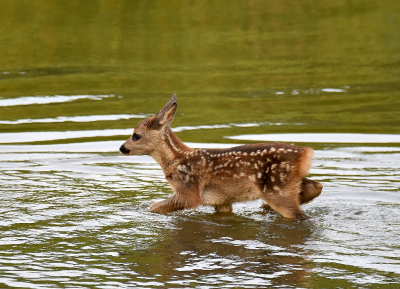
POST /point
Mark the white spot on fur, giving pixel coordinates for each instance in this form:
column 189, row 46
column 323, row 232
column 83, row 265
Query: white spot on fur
column 173, row 146
column 259, row 175
column 272, row 150
column 252, row 178
column 182, row 168
column 272, row 179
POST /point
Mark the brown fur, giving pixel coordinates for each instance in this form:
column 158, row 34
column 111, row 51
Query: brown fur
column 274, row 172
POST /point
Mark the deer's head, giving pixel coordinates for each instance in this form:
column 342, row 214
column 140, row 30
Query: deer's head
column 148, row 134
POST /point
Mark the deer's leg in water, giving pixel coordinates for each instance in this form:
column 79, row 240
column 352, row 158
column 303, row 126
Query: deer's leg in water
column 223, row 208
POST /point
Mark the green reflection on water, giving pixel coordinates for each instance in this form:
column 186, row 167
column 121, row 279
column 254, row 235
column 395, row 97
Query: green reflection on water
column 226, row 62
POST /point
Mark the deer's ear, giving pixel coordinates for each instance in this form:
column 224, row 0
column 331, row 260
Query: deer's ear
column 167, row 113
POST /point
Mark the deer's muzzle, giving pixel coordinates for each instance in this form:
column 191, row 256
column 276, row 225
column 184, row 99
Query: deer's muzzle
column 124, row 150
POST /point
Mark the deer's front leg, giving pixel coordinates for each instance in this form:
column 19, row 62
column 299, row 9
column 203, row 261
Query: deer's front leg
column 184, row 199
column 166, row 206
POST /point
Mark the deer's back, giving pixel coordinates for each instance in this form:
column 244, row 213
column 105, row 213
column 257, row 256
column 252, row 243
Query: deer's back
column 242, row 173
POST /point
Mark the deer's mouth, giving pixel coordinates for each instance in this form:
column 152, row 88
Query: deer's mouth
column 124, row 150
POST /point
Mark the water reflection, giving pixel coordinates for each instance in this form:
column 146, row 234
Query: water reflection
column 80, row 217
column 227, row 250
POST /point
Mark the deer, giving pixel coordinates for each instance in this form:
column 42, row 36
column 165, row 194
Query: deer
column 274, row 172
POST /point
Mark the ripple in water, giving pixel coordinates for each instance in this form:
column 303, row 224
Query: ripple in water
column 78, row 215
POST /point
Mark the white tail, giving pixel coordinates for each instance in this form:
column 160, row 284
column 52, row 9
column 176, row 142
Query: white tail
column 274, row 172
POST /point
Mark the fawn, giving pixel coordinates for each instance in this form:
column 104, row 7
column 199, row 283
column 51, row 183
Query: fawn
column 274, row 172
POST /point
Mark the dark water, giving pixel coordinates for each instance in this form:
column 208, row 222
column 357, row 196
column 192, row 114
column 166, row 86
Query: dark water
column 75, row 78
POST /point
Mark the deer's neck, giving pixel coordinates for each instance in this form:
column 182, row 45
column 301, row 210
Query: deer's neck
column 171, row 151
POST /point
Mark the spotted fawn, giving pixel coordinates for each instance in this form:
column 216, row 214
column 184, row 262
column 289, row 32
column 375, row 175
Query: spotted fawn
column 274, row 172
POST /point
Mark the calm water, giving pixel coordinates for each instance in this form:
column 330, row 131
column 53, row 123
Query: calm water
column 76, row 77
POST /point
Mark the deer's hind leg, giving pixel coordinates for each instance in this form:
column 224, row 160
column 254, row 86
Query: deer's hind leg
column 223, row 208
column 285, row 201
column 309, row 190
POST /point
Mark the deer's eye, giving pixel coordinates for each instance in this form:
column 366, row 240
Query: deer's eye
column 135, row 137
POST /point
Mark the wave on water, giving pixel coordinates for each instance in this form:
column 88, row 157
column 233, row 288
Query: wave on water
column 21, row 137
column 321, row 137
column 30, row 100
column 84, row 118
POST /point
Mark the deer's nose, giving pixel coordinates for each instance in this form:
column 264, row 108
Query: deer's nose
column 124, row 150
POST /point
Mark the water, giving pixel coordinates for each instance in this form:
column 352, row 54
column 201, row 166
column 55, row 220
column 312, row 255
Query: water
column 76, row 77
